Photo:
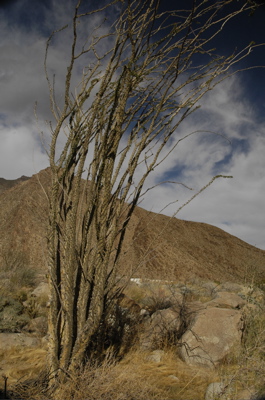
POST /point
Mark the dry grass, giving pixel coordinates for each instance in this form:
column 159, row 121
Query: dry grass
column 21, row 364
column 135, row 377
column 176, row 379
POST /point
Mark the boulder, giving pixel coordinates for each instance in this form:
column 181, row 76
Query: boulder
column 230, row 287
column 214, row 333
column 227, row 391
column 210, row 287
column 227, row 300
column 156, row 356
column 215, row 391
column 12, row 340
column 42, row 290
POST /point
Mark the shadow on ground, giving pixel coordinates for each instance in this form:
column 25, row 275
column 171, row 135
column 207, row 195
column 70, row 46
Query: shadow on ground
column 4, row 395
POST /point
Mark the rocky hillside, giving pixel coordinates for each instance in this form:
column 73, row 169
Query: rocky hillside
column 7, row 184
column 155, row 246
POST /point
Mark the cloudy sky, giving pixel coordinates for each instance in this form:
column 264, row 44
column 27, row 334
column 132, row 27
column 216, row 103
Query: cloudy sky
column 235, row 109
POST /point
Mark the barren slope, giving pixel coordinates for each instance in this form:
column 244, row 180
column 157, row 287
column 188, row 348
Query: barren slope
column 7, row 184
column 155, row 246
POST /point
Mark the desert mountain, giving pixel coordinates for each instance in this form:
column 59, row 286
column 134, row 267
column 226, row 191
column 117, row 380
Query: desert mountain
column 156, row 246
column 7, row 184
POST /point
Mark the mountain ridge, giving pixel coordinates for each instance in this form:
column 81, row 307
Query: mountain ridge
column 6, row 184
column 155, row 246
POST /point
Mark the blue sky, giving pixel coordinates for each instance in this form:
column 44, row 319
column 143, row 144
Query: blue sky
column 235, row 109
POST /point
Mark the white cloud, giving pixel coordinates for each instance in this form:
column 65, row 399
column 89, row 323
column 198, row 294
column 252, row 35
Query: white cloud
column 235, row 205
column 21, row 152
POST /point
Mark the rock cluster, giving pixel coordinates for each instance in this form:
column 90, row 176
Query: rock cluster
column 205, row 332
column 205, row 322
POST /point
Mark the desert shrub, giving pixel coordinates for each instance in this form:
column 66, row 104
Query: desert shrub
column 152, row 295
column 253, row 342
column 135, row 292
column 32, row 307
column 244, row 370
column 12, row 318
column 21, row 295
column 23, row 277
column 16, row 272
column 198, row 291
column 117, row 332
column 157, row 301
column 170, row 331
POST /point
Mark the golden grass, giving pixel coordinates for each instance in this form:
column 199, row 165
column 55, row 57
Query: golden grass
column 175, row 378
column 22, row 364
column 135, row 377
